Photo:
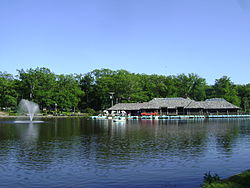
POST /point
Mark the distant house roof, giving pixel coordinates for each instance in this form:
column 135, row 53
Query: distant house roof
column 173, row 103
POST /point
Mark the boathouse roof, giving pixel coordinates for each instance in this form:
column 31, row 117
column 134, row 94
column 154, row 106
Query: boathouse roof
column 169, row 102
column 195, row 105
column 211, row 104
column 126, row 106
column 217, row 104
column 173, row 103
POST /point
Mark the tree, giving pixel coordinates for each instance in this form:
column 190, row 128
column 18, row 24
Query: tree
column 87, row 85
column 155, row 86
column 99, row 83
column 225, row 88
column 92, row 90
column 96, row 94
column 67, row 92
column 124, row 84
column 8, row 93
column 38, row 85
column 140, row 93
column 244, row 95
column 191, row 86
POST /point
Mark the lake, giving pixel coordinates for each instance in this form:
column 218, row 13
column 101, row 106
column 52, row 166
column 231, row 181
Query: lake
column 72, row 152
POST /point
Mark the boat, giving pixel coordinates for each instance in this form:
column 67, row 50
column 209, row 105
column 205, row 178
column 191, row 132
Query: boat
column 133, row 117
column 99, row 117
column 119, row 119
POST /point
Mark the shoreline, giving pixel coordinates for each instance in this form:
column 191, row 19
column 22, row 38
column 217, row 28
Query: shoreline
column 136, row 117
column 49, row 116
column 241, row 180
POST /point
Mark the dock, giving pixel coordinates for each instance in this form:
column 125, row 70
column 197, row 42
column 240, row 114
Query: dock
column 181, row 117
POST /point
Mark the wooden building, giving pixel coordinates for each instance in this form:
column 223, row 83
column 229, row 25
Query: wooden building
column 178, row 106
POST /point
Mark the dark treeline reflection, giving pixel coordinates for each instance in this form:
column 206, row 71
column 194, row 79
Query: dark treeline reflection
column 36, row 146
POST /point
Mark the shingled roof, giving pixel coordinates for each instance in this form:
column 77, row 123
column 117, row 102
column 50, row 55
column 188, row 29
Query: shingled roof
column 126, row 106
column 217, row 103
column 172, row 103
column 194, row 105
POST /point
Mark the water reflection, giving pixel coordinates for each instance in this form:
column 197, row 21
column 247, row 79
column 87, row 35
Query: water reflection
column 181, row 137
column 133, row 139
column 28, row 133
column 103, row 147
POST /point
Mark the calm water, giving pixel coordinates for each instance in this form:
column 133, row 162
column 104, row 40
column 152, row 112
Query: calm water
column 100, row 153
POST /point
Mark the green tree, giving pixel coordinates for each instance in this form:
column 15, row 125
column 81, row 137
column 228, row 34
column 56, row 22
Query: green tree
column 191, row 86
column 67, row 92
column 225, row 88
column 8, row 93
column 156, row 86
column 86, row 83
column 92, row 90
column 38, row 85
column 244, row 94
column 139, row 93
column 124, row 84
column 98, row 83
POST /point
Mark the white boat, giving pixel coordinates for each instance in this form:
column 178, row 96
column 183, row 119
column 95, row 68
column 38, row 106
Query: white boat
column 98, row 117
column 119, row 119
column 132, row 117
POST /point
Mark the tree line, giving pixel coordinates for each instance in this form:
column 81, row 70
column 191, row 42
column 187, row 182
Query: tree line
column 98, row 89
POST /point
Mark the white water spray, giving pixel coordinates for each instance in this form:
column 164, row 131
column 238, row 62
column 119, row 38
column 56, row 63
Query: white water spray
column 29, row 108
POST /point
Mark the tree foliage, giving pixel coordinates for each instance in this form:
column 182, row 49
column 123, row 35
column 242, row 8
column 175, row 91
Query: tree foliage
column 244, row 95
column 225, row 88
column 191, row 86
column 49, row 90
column 8, row 93
column 100, row 88
column 67, row 92
column 37, row 85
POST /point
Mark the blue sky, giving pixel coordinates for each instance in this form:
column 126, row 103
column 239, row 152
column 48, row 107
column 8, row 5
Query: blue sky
column 168, row 37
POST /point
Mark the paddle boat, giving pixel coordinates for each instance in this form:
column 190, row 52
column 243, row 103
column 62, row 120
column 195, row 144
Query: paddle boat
column 119, row 119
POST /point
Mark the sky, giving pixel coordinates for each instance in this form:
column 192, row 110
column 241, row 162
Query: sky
column 167, row 37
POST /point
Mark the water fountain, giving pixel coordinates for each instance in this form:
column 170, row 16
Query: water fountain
column 29, row 109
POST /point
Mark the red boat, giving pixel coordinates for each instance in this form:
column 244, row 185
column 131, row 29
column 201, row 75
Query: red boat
column 149, row 114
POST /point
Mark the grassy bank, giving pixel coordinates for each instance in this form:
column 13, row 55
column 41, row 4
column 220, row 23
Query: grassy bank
column 241, row 180
column 4, row 113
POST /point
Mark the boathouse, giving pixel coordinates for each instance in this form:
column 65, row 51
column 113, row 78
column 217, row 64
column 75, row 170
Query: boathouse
column 178, row 106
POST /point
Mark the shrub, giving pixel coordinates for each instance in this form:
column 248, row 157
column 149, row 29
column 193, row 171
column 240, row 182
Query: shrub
column 209, row 178
column 90, row 111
